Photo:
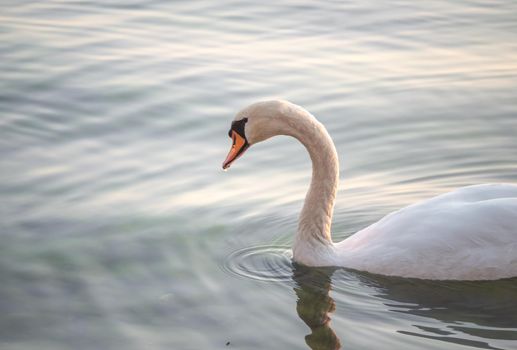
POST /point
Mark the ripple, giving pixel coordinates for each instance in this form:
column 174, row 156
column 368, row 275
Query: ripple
column 270, row 263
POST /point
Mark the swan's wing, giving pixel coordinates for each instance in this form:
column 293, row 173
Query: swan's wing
column 470, row 233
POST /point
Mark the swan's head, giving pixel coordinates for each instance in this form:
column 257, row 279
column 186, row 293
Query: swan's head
column 256, row 123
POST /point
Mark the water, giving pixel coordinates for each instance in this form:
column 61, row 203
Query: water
column 119, row 230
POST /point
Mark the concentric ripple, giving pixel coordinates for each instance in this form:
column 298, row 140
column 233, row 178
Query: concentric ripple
column 264, row 263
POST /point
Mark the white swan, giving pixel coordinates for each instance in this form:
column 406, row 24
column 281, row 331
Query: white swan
column 467, row 234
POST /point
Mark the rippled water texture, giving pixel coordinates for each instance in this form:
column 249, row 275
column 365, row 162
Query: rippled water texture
column 118, row 229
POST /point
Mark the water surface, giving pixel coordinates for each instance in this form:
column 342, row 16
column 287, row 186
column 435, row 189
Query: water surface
column 119, row 230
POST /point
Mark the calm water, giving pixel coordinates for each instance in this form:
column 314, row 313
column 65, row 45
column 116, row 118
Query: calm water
column 119, row 230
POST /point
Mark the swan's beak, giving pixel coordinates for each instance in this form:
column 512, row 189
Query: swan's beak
column 239, row 146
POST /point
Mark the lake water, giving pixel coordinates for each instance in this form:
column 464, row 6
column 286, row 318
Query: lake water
column 119, row 230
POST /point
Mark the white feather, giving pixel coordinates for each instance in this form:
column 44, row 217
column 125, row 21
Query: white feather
column 467, row 234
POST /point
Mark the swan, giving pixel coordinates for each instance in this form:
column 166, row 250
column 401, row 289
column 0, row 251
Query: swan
column 466, row 234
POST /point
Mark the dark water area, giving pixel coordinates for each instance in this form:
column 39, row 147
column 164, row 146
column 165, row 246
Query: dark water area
column 118, row 228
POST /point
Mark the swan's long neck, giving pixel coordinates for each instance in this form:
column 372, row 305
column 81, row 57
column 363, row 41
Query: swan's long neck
column 316, row 216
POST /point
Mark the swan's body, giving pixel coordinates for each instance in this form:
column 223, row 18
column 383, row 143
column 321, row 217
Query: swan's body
column 467, row 234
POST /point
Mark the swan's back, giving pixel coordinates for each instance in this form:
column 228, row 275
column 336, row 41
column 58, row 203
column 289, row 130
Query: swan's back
column 468, row 234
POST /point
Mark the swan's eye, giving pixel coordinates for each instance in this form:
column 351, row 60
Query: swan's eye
column 238, row 127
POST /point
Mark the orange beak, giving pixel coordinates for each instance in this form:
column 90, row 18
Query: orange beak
column 239, row 146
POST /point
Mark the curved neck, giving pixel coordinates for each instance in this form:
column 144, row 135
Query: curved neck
column 316, row 216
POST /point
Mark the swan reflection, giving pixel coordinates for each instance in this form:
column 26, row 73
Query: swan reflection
column 474, row 314
column 312, row 286
column 471, row 313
